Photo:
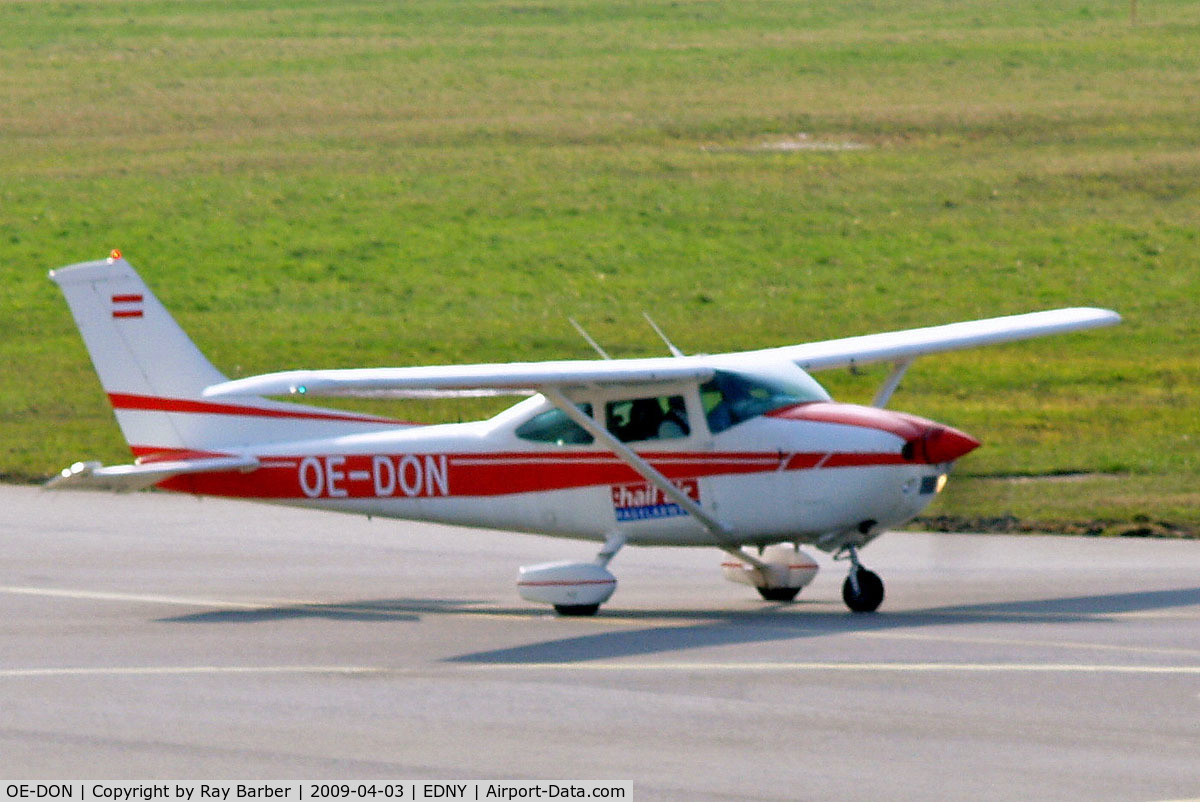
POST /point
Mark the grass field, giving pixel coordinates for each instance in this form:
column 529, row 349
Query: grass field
column 380, row 183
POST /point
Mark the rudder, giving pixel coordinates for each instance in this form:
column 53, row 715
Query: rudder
column 154, row 375
column 135, row 345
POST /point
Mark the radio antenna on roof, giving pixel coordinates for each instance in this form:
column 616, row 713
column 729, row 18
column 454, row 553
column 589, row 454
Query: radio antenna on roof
column 670, row 345
column 589, row 339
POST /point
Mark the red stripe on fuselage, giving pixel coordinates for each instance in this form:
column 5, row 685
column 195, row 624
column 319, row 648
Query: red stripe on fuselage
column 184, row 405
column 905, row 426
column 146, row 454
column 523, row 472
column 566, row 583
column 380, row 476
column 360, row 476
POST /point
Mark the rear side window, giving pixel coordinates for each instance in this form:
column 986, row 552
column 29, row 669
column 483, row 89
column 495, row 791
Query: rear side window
column 662, row 418
column 553, row 426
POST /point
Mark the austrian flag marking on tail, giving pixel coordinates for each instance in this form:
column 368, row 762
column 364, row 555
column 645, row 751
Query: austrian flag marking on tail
column 129, row 305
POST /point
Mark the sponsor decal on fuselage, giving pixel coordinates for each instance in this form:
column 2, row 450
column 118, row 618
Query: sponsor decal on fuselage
column 645, row 501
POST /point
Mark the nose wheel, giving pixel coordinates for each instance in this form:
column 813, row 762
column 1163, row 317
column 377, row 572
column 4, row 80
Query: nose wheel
column 863, row 590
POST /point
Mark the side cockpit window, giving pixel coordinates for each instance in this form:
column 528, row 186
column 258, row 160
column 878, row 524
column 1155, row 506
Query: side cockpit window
column 730, row 398
column 661, row 418
column 553, row 426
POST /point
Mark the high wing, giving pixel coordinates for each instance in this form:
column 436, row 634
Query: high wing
column 127, row 478
column 450, row 380
column 515, row 377
column 899, row 346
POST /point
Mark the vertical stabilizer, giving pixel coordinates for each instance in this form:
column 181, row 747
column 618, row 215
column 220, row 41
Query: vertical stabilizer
column 135, row 344
column 155, row 375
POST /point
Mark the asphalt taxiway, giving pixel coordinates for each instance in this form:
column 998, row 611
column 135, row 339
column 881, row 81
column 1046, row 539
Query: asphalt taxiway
column 155, row 637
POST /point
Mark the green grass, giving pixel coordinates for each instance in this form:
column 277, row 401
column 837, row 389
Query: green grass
column 373, row 183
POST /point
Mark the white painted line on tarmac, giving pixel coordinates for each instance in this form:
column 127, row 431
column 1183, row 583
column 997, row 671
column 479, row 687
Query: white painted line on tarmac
column 1023, row 642
column 324, row 606
column 1185, row 614
column 1015, row 668
column 1152, row 614
column 139, row 671
column 98, row 595
column 266, row 604
column 133, row 671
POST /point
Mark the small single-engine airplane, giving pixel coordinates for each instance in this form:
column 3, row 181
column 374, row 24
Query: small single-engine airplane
column 729, row 450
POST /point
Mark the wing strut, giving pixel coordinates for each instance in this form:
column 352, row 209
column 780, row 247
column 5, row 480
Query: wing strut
column 720, row 533
column 884, row 394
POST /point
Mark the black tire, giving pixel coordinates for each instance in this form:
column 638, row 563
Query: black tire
column 576, row 609
column 779, row 594
column 870, row 592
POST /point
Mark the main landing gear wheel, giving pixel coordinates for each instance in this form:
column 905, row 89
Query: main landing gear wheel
column 863, row 590
column 576, row 609
column 778, row 594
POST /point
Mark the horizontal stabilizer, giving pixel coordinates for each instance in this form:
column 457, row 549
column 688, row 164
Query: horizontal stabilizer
column 127, row 478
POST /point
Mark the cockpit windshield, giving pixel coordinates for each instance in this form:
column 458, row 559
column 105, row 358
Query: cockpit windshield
column 730, row 397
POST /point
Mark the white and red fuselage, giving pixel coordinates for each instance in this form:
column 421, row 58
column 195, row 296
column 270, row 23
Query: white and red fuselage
column 796, row 473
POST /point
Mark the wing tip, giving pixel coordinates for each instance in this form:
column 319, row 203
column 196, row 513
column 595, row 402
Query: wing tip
column 1091, row 316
